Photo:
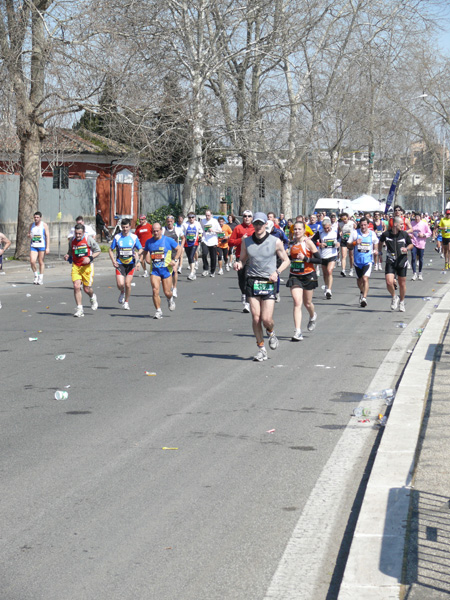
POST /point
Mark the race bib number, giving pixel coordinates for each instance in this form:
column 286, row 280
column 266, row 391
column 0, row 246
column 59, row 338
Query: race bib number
column 345, row 236
column 207, row 228
column 158, row 258
column 125, row 252
column 378, row 233
column 263, row 288
column 297, row 267
column 329, row 243
column 221, row 235
column 190, row 237
column 364, row 247
column 36, row 240
column 80, row 251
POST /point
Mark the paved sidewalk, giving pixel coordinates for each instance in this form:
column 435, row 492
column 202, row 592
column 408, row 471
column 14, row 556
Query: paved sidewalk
column 400, row 544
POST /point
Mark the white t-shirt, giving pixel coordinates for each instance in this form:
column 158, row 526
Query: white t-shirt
column 210, row 228
column 328, row 238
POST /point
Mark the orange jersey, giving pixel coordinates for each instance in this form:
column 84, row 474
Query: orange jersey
column 297, row 267
column 226, row 231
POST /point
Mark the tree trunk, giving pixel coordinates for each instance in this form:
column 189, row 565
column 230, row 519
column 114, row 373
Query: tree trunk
column 30, row 174
column 249, row 174
column 195, row 169
column 286, row 193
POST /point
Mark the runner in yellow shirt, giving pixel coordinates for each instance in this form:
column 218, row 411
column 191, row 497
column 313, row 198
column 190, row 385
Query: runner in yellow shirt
column 444, row 227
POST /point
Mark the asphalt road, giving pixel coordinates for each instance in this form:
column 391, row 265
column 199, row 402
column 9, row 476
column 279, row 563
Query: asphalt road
column 92, row 505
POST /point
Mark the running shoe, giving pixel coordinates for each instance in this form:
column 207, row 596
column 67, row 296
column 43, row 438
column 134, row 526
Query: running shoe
column 171, row 303
column 414, row 277
column 312, row 322
column 179, row 270
column 420, row 277
column 2, row 272
column 0, row 304
column 126, row 306
column 196, row 265
column 273, row 341
column 192, row 276
column 350, row 273
column 36, row 279
column 94, row 303
column 40, row 280
column 375, row 268
column 328, row 294
column 205, row 273
column 246, row 308
column 260, row 355
column 121, row 299
column 227, row 267
column 277, row 297
column 297, row 337
column 394, row 303
column 363, row 303
column 343, row 274
column 79, row 312
column 175, row 293
column 220, row 271
column 158, row 314
column 211, row 274
column 145, row 273
column 401, row 306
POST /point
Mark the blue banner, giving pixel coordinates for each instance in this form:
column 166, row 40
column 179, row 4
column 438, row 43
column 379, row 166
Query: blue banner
column 391, row 194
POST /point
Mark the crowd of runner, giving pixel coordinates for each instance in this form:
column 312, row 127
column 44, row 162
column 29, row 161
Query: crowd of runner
column 259, row 249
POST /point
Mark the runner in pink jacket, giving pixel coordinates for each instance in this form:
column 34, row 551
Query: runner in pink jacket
column 420, row 233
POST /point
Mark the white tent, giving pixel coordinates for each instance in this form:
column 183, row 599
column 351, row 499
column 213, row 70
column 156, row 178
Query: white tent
column 366, row 203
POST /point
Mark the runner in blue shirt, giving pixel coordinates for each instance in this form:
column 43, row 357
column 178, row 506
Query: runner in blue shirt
column 128, row 248
column 162, row 253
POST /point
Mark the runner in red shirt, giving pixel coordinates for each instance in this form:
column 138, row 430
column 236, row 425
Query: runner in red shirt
column 144, row 233
column 245, row 229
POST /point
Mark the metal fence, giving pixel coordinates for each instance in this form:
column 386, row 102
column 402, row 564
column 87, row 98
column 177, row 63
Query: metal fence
column 77, row 200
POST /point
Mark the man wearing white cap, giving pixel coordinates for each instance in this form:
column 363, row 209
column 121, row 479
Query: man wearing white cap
column 259, row 252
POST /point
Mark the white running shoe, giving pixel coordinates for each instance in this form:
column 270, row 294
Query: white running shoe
column 328, row 294
column 179, row 270
column 205, row 273
column 220, row 271
column 297, row 337
column 79, row 312
column 0, row 304
column 175, row 293
column 94, row 303
column 158, row 314
column 312, row 322
column 350, row 273
column 420, row 277
column 273, row 341
column 126, row 306
column 2, row 272
column 401, row 306
column 171, row 303
column 121, row 299
column 145, row 273
column 277, row 297
column 343, row 274
column 40, row 280
column 227, row 267
column 246, row 308
column 363, row 303
column 414, row 277
column 260, row 355
column 192, row 276
column 36, row 279
column 394, row 303
column 196, row 265
column 212, row 274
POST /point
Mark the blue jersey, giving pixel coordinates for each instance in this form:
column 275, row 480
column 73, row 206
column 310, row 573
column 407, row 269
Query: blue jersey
column 161, row 252
column 125, row 246
column 363, row 252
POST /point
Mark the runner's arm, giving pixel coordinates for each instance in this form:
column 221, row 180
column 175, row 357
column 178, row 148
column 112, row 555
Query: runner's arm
column 47, row 237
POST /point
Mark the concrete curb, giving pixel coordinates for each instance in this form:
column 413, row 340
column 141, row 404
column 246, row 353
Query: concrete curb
column 374, row 566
